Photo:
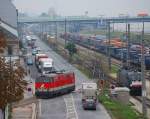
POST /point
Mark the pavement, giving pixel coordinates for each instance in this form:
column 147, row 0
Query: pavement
column 24, row 112
column 148, row 88
column 1, row 114
column 25, row 108
column 68, row 106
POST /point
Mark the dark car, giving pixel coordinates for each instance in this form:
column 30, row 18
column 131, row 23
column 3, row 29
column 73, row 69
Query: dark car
column 29, row 61
column 34, row 51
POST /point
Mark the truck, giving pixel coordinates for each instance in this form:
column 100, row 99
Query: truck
column 38, row 57
column 46, row 65
column 89, row 95
column 30, row 42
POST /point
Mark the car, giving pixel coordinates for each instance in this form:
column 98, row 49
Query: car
column 34, row 47
column 29, row 61
column 34, row 51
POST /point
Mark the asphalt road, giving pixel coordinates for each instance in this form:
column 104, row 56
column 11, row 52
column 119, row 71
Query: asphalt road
column 67, row 106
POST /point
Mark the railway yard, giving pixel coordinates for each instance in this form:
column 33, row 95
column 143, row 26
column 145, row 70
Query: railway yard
column 74, row 59
column 82, row 67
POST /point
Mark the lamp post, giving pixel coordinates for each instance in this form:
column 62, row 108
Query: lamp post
column 101, row 18
column 65, row 31
column 108, row 47
column 144, row 108
column 143, row 73
column 128, row 43
column 56, row 34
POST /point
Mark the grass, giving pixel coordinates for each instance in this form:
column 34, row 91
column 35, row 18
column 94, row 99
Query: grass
column 114, row 70
column 85, row 71
column 118, row 110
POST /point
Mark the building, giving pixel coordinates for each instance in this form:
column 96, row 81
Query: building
column 8, row 26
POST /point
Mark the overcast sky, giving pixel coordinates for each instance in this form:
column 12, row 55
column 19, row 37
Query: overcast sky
column 78, row 7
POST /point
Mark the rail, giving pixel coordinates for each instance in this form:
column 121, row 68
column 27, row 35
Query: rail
column 140, row 100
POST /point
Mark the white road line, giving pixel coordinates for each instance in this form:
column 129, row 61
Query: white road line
column 74, row 107
column 70, row 107
column 40, row 112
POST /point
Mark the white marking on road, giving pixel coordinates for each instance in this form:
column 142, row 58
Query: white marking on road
column 70, row 106
column 40, row 112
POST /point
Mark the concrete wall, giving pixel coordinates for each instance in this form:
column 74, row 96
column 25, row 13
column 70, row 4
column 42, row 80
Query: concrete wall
column 8, row 13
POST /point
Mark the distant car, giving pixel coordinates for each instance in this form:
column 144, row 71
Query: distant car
column 38, row 49
column 29, row 61
column 34, row 51
column 34, row 46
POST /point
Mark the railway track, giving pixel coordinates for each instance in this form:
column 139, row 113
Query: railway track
column 140, row 100
column 113, row 60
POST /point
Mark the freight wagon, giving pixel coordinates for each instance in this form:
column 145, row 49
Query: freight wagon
column 118, row 49
column 51, row 85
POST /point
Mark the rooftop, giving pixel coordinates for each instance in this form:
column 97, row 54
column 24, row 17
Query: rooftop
column 8, row 18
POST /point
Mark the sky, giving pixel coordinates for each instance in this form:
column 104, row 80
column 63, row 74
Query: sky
column 105, row 8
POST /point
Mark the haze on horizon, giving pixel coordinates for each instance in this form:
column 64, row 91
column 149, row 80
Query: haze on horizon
column 96, row 8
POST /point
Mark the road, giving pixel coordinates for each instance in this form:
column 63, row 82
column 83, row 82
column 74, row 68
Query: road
column 67, row 106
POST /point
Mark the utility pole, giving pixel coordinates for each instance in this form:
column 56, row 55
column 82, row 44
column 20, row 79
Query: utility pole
column 128, row 45
column 56, row 34
column 56, row 30
column 144, row 110
column 65, row 31
column 108, row 47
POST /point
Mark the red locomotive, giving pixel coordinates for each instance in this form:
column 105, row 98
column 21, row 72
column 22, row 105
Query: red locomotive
column 54, row 84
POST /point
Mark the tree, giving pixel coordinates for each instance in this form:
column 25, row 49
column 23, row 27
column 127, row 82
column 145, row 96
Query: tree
column 71, row 48
column 12, row 74
column 43, row 14
column 2, row 42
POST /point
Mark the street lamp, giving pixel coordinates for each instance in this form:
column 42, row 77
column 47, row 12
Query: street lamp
column 144, row 110
column 65, row 31
column 108, row 47
column 101, row 18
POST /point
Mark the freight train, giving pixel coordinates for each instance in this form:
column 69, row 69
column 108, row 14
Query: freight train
column 117, row 48
column 51, row 85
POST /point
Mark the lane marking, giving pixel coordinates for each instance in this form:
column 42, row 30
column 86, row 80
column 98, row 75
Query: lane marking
column 40, row 112
column 70, row 106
